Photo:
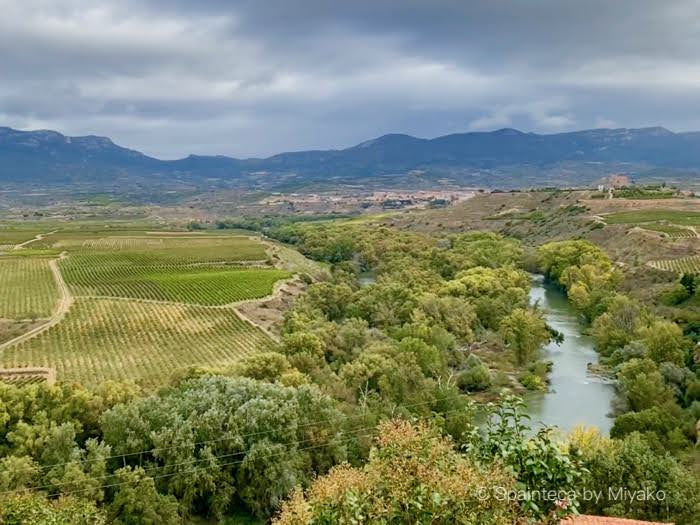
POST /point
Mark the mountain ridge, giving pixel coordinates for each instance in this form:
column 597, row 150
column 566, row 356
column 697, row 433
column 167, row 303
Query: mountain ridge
column 48, row 157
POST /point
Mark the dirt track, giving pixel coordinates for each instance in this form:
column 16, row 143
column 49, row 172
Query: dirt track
column 37, row 238
column 64, row 303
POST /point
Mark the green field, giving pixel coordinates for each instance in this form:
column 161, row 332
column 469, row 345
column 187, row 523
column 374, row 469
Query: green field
column 685, row 218
column 102, row 339
column 139, row 247
column 193, row 269
column 9, row 238
column 112, row 331
column 27, row 288
column 105, row 275
column 675, row 232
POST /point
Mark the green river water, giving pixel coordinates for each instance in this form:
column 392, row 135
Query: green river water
column 575, row 397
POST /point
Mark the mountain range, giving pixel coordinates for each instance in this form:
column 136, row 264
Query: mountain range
column 506, row 157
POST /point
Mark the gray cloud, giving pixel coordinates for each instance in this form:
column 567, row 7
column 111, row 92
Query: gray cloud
column 243, row 78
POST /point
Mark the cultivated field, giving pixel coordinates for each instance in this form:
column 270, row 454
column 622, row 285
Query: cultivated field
column 674, row 232
column 27, row 288
column 681, row 217
column 101, row 339
column 136, row 305
column 119, row 276
column 682, row 265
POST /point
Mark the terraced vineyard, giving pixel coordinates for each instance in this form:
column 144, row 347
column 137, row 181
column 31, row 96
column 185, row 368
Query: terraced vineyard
column 682, row 265
column 27, row 288
column 101, row 339
column 674, row 232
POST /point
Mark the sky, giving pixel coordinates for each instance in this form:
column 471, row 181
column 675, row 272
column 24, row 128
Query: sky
column 256, row 77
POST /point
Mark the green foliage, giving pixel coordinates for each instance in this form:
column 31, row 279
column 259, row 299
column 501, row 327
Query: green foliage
column 137, row 502
column 664, row 342
column 413, row 476
column 555, row 257
column 538, row 463
column 617, row 327
column 475, row 378
column 229, row 441
column 524, row 332
column 689, row 281
column 631, row 464
column 642, row 386
column 35, row 509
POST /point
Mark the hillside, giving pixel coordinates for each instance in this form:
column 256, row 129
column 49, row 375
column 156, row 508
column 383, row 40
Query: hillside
column 504, row 158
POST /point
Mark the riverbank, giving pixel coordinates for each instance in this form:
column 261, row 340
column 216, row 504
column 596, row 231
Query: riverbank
column 575, row 396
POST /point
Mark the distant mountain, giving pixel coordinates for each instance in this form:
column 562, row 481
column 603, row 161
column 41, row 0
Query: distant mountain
column 506, row 157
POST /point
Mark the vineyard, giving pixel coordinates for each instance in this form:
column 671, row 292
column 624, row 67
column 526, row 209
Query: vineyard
column 684, row 218
column 27, row 288
column 102, row 339
column 181, row 248
column 674, row 232
column 138, row 304
column 682, row 265
column 103, row 275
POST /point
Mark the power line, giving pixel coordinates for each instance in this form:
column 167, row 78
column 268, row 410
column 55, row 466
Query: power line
column 218, row 440
column 159, row 476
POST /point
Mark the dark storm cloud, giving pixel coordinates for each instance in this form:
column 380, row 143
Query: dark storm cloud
column 257, row 77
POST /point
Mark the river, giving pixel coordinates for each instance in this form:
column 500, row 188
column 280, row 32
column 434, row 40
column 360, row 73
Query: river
column 575, row 397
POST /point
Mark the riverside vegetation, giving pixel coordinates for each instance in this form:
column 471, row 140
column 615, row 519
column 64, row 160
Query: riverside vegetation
column 365, row 411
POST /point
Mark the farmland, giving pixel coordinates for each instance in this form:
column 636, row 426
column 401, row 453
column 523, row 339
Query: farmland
column 137, row 304
column 682, row 217
column 681, row 265
column 674, row 232
column 101, row 339
column 28, row 289
column 119, row 276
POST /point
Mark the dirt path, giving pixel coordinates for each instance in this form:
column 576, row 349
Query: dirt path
column 37, row 238
column 64, row 303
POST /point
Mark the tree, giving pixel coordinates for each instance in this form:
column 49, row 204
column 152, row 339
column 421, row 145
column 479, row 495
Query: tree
column 524, row 332
column 203, row 430
column 664, row 342
column 36, row 509
column 642, row 386
column 413, row 476
column 618, row 326
column 689, row 282
column 137, row 502
column 536, row 460
column 633, row 465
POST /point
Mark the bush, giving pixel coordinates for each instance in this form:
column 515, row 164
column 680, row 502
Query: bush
column 476, row 378
column 413, row 476
column 532, row 381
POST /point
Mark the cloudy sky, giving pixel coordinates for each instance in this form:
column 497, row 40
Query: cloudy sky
column 255, row 77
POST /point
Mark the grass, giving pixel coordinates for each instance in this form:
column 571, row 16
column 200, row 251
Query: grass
column 27, row 288
column 685, row 218
column 102, row 339
column 9, row 238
